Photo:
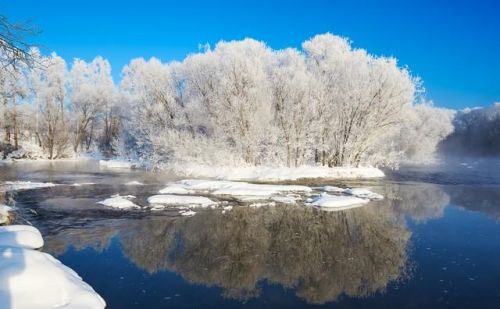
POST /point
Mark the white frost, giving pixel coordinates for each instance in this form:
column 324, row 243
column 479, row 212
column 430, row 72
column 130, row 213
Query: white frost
column 338, row 202
column 33, row 280
column 24, row 236
column 120, row 202
column 167, row 199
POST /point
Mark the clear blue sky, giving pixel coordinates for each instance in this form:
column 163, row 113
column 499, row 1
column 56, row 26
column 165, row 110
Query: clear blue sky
column 453, row 45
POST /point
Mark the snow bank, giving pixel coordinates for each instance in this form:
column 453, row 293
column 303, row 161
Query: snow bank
column 32, row 279
column 117, row 164
column 338, row 202
column 173, row 200
column 4, row 213
column 120, row 202
column 25, row 185
column 20, row 236
column 261, row 173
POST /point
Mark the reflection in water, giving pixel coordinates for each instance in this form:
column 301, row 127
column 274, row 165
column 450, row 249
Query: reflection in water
column 320, row 255
column 421, row 202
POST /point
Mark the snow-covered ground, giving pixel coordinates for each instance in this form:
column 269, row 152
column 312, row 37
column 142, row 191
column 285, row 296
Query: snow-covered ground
column 261, row 173
column 120, row 202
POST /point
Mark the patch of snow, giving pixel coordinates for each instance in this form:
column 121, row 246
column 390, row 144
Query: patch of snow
column 364, row 193
column 25, row 236
column 284, row 199
column 83, row 184
column 234, row 188
column 187, row 213
column 332, row 189
column 25, row 185
column 120, row 202
column 262, row 173
column 175, row 189
column 258, row 205
column 34, row 279
column 117, row 164
column 338, row 202
column 168, row 199
column 134, row 183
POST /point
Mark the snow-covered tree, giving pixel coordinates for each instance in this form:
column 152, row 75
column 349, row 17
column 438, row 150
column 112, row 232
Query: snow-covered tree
column 49, row 84
column 361, row 99
column 294, row 115
column 93, row 93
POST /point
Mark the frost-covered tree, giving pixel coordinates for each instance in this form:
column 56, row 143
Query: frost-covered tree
column 423, row 129
column 361, row 99
column 49, row 85
column 235, row 94
column 294, row 115
column 92, row 93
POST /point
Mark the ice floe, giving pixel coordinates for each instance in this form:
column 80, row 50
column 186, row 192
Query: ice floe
column 175, row 200
column 337, row 202
column 120, row 202
column 175, row 189
column 364, row 193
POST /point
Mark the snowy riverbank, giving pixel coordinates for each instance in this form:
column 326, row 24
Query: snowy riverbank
column 33, row 279
column 262, row 173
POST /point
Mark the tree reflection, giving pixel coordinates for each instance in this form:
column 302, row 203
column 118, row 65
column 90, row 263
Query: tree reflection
column 320, row 255
column 418, row 201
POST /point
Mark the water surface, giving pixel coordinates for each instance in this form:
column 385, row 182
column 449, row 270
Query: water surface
column 433, row 242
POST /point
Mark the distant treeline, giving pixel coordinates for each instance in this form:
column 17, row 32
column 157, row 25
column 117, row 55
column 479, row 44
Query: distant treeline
column 477, row 133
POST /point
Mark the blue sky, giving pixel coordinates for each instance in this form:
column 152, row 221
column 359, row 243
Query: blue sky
column 454, row 46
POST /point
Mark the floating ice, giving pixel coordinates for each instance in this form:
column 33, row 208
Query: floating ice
column 24, row 185
column 338, row 202
column 168, row 199
column 120, row 202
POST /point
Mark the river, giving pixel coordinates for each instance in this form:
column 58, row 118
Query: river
column 433, row 242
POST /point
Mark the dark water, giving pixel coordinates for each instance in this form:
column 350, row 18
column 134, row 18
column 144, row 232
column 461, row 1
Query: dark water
column 433, row 242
